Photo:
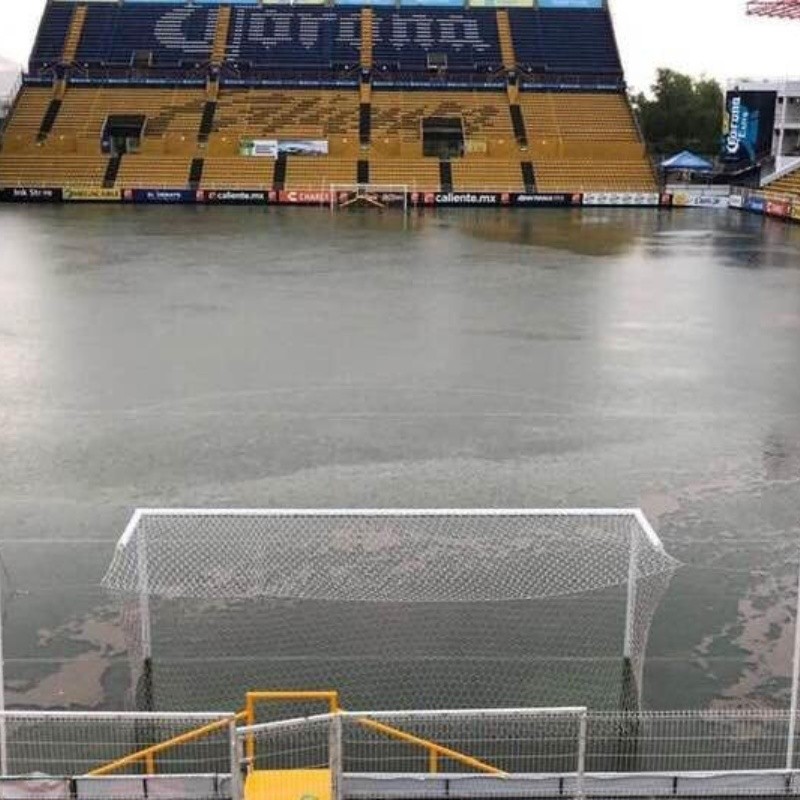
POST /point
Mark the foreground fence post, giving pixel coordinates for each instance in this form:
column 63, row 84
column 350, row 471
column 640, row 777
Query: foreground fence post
column 580, row 774
column 795, row 681
column 237, row 789
column 3, row 721
column 335, row 756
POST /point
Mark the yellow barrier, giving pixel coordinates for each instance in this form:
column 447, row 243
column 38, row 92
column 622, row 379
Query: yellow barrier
column 149, row 754
column 329, row 697
column 434, row 750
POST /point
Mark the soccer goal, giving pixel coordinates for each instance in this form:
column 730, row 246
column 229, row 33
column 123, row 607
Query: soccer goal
column 369, row 195
column 396, row 609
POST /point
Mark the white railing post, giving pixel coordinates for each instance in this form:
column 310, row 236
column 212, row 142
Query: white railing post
column 630, row 606
column 580, row 772
column 237, row 790
column 795, row 681
column 335, row 756
column 3, row 728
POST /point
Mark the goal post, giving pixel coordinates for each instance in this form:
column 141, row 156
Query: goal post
column 396, row 608
column 370, row 195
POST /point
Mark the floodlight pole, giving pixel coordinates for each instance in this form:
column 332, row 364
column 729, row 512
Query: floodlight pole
column 795, row 681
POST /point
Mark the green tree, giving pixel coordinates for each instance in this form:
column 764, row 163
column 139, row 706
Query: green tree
column 682, row 113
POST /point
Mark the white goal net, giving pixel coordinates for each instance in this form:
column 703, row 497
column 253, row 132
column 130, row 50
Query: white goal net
column 396, row 609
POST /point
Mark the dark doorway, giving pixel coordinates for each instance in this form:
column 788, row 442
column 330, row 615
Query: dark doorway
column 122, row 134
column 442, row 137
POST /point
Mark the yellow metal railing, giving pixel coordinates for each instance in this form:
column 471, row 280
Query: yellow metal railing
column 435, row 750
column 253, row 698
column 147, row 756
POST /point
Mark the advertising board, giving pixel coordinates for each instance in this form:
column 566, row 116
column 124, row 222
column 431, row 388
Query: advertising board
column 30, row 194
column 748, row 126
column 620, row 199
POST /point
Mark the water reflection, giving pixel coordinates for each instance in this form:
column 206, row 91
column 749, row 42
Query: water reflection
column 590, row 232
column 298, row 357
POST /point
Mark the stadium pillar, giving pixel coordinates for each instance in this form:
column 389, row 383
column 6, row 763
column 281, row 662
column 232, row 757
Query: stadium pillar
column 790, row 747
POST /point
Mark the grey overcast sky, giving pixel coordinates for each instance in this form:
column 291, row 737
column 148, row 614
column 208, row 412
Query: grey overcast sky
column 698, row 36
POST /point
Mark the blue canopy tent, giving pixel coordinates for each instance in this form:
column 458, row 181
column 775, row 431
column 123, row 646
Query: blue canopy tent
column 687, row 162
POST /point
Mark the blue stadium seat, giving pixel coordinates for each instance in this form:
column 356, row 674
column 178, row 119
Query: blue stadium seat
column 565, row 41
column 404, row 39
column 174, row 34
column 52, row 33
column 307, row 38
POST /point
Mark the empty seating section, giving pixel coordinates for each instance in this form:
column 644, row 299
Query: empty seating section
column 565, row 41
column 174, row 35
column 573, row 116
column 239, row 172
column 52, row 34
column 787, row 185
column 405, row 39
column 306, row 39
column 420, row 174
column 172, row 116
column 23, row 125
column 594, row 176
column 270, row 64
column 492, row 175
column 301, row 113
column 585, row 141
column 153, row 172
column 43, row 169
column 318, row 172
column 397, row 119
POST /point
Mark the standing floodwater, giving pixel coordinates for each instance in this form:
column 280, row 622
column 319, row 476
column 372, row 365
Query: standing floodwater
column 243, row 357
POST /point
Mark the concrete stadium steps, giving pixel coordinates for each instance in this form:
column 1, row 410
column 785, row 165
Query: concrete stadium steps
column 153, row 172
column 221, row 35
column 43, row 169
column 418, row 175
column 787, row 185
column 74, row 34
column 23, row 126
column 319, row 172
column 506, row 40
column 594, row 176
column 238, row 172
column 487, row 175
column 367, row 34
column 294, row 113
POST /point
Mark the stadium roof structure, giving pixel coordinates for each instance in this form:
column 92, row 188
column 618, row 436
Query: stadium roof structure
column 785, row 9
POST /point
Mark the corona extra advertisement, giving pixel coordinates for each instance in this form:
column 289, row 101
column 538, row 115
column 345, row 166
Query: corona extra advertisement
column 747, row 128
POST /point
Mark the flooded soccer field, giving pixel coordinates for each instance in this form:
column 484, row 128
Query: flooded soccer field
column 297, row 358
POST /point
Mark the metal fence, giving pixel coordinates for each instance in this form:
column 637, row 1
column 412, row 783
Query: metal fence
column 413, row 755
column 521, row 753
column 115, row 744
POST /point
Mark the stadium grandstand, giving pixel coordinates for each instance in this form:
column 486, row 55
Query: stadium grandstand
column 781, row 178
column 436, row 97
